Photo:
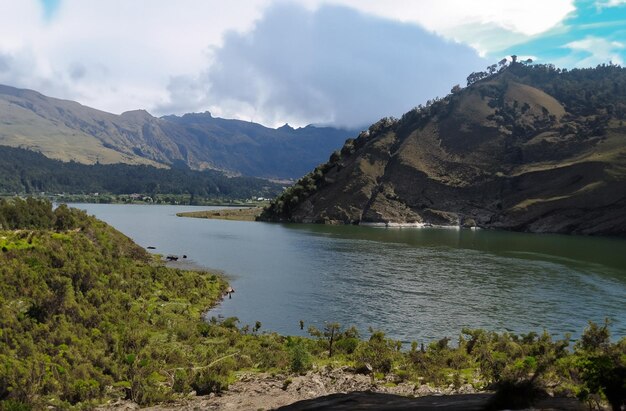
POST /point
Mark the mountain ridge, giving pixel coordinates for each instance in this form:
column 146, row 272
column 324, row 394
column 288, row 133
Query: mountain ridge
column 67, row 130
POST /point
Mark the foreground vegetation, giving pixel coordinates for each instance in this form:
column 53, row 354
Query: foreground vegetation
column 86, row 315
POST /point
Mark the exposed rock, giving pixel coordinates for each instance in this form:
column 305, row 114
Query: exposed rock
column 338, row 389
column 266, row 391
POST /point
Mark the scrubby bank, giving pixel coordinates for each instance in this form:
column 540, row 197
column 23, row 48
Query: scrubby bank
column 86, row 314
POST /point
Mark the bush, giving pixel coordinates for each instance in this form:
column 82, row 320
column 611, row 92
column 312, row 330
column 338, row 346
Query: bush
column 181, row 383
column 80, row 311
column 12, row 405
column 601, row 366
column 83, row 390
column 300, row 358
column 377, row 352
column 208, row 381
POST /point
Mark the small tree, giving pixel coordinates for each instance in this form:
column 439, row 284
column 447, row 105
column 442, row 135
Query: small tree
column 64, row 219
column 602, row 366
column 329, row 335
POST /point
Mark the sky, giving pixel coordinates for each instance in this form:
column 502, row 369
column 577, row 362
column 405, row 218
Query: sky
column 345, row 63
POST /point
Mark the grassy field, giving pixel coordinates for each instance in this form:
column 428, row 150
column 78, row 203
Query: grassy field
column 237, row 214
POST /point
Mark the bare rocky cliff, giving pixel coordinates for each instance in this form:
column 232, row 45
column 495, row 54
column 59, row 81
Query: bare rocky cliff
column 527, row 148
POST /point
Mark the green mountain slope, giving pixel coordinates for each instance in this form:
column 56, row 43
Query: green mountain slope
column 66, row 130
column 528, row 148
column 24, row 171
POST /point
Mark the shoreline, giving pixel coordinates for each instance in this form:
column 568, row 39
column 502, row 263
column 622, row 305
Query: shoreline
column 416, row 225
column 232, row 214
column 253, row 212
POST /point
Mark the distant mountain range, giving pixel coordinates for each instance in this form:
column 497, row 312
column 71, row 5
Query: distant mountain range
column 66, row 130
column 527, row 148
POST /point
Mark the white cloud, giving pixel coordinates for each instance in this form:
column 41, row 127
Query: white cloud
column 119, row 55
column 597, row 51
column 332, row 65
column 20, row 23
column 126, row 51
column 487, row 25
column 527, row 17
column 600, row 4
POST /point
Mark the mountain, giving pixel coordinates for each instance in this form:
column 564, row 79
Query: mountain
column 66, row 130
column 527, row 147
column 252, row 149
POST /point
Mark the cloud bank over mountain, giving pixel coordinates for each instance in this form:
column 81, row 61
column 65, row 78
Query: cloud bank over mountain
column 275, row 61
column 333, row 65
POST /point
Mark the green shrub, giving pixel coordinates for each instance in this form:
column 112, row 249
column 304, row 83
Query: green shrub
column 181, row 381
column 378, row 352
column 300, row 358
column 13, row 405
column 600, row 365
column 208, row 381
column 83, row 390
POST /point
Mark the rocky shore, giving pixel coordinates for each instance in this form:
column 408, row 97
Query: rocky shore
column 254, row 391
column 335, row 388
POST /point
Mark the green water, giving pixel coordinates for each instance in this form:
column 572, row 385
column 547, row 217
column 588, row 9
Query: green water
column 415, row 284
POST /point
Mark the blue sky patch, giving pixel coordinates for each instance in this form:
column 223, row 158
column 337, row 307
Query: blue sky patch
column 50, row 7
column 595, row 33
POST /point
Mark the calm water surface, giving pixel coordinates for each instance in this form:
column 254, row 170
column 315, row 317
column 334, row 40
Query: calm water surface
column 414, row 284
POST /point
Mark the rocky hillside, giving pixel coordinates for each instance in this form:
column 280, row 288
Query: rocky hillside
column 66, row 130
column 526, row 147
column 252, row 149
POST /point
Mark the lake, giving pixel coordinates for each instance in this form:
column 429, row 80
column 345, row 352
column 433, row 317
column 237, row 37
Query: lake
column 418, row 284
